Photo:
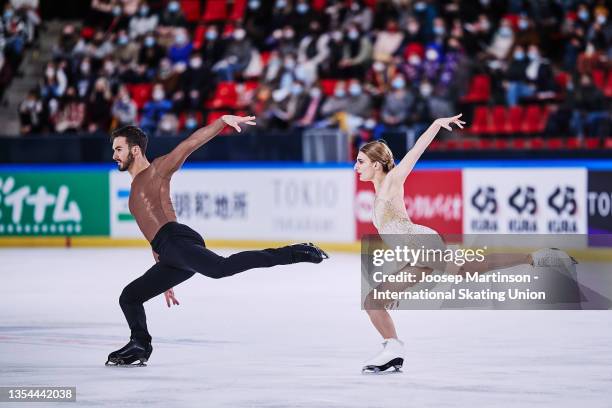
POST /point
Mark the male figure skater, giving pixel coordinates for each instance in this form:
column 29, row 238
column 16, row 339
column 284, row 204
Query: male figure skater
column 179, row 251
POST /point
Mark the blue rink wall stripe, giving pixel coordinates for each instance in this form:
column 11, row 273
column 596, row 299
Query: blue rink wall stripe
column 599, row 164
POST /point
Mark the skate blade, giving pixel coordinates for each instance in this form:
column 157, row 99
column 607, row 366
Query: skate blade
column 396, row 363
column 323, row 253
column 120, row 363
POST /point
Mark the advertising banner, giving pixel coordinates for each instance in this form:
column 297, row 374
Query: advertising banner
column 433, row 198
column 533, row 201
column 599, row 207
column 252, row 204
column 54, row 203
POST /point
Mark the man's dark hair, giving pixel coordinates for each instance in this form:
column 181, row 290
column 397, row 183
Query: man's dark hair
column 133, row 135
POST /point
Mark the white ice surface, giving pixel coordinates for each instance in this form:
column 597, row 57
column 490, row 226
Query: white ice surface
column 291, row 336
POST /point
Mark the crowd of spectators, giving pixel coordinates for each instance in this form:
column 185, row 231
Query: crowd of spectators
column 364, row 67
column 19, row 25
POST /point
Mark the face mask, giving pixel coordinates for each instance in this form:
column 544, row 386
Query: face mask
column 173, row 6
column 505, row 31
column 426, row 90
column 254, row 5
column 85, row 67
column 438, row 30
column 353, row 34
column 315, row 93
column 281, row 4
column 239, row 34
column 211, row 35
column 109, row 67
column 337, row 36
column 583, row 15
column 519, row 55
column 533, row 55
column 523, row 24
column 378, row 66
column 289, row 64
column 123, row 40
column 431, row 55
column 149, row 41
column 195, row 63
column 50, row 72
column 144, row 10
column 116, row 10
column 180, row 39
column 340, row 93
column 191, row 123
column 8, row 14
column 414, row 59
column 355, row 89
column 485, row 25
column 158, row 95
column 398, row 83
column 296, row 89
column 601, row 19
column 302, row 8
column 288, row 34
column 420, row 6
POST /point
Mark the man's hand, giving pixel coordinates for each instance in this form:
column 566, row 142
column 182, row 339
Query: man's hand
column 169, row 295
column 235, row 121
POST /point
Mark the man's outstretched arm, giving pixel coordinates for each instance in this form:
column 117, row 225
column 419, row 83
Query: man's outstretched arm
column 175, row 159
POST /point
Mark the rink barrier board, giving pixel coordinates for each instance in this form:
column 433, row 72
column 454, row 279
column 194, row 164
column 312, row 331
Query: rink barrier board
column 584, row 254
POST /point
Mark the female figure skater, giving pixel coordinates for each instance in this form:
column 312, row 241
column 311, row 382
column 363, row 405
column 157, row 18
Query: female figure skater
column 375, row 163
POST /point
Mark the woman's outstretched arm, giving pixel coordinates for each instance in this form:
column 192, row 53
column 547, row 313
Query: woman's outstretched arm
column 405, row 166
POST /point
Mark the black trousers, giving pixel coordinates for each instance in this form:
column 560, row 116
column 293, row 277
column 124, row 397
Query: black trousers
column 182, row 253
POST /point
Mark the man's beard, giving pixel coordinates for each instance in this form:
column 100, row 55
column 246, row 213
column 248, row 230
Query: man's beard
column 126, row 165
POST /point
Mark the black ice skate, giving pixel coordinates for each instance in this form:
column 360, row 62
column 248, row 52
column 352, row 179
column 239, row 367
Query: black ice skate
column 134, row 351
column 308, row 252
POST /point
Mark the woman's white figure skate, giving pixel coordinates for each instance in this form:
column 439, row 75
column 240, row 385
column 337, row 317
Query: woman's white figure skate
column 392, row 355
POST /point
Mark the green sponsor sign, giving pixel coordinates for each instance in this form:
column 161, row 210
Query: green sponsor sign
column 54, row 203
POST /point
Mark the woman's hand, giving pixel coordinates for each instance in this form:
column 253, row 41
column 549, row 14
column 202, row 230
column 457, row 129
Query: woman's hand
column 447, row 122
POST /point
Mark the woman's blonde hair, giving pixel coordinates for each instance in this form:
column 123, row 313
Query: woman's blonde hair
column 378, row 151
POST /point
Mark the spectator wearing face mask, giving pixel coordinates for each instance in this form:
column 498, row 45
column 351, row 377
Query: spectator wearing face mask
column 281, row 13
column 154, row 109
column 286, row 110
column 256, row 22
column 378, row 81
column 31, row 114
column 168, row 125
column 192, row 121
column 356, row 54
column 236, row 58
column 331, row 66
column 100, row 47
column 432, row 63
column 212, row 48
column 196, row 79
column 397, row 104
column 311, row 109
column 358, row 15
column 420, row 117
column 358, row 109
column 502, row 41
column 70, row 115
column 150, row 54
column 173, row 15
column 516, row 78
column 526, row 33
column 600, row 32
column 181, row 48
column 338, row 102
column 124, row 109
column 302, row 16
column 591, row 59
column 589, row 114
column 143, row 22
column 287, row 43
column 388, row 42
column 313, row 50
column 99, row 107
column 126, row 51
